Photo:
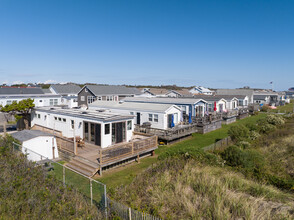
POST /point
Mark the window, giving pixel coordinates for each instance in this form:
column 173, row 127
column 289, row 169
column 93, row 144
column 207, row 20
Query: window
column 107, row 129
column 72, row 124
column 38, row 115
column 86, row 130
column 109, row 98
column 113, row 133
column 129, row 125
column 55, row 118
column 82, row 98
column 131, row 113
column 59, row 119
column 150, row 117
column 155, row 118
column 53, row 102
column 91, row 99
column 40, row 100
column 176, row 117
column 64, row 120
column 99, row 98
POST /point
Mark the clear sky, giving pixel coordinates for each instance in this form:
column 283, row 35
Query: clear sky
column 220, row 43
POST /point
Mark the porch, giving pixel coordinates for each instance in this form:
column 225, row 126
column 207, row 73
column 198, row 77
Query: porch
column 196, row 125
column 89, row 159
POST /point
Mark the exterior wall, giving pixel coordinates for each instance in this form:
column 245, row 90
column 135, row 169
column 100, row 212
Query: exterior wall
column 70, row 101
column 63, row 124
column 144, row 116
column 83, row 96
column 244, row 102
column 230, row 104
column 38, row 101
column 42, row 145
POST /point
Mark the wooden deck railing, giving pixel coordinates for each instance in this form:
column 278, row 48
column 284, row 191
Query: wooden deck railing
column 120, row 151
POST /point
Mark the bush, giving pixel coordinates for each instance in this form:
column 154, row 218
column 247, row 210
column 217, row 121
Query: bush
column 275, row 120
column 238, row 133
column 266, row 128
column 233, row 156
column 244, row 144
column 253, row 135
column 264, row 108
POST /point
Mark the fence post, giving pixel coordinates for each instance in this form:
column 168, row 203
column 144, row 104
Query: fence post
column 63, row 174
column 105, row 201
column 91, row 192
column 130, row 214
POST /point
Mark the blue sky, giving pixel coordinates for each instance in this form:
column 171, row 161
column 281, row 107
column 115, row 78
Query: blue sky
column 221, row 44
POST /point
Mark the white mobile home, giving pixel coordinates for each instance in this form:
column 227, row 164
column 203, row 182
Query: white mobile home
column 160, row 116
column 99, row 128
column 188, row 106
column 38, row 144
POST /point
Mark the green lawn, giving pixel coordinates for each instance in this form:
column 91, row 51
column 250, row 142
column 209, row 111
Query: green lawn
column 284, row 109
column 125, row 175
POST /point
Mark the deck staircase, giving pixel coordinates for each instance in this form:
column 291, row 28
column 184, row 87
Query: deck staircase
column 83, row 166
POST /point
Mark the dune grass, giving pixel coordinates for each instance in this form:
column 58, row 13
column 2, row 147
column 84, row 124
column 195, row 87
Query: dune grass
column 181, row 189
column 125, row 175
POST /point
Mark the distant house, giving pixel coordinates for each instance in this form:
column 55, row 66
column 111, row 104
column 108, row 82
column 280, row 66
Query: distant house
column 69, row 93
column 237, row 92
column 262, row 99
column 201, row 91
column 161, row 92
column 38, row 143
column 158, row 115
column 188, row 106
column 214, row 101
column 10, row 94
column 91, row 93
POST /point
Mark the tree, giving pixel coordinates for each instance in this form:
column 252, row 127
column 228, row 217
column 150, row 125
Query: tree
column 21, row 109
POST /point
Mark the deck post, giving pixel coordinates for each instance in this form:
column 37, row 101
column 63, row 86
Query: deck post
column 91, row 192
column 63, row 173
column 132, row 147
column 138, row 158
column 100, row 170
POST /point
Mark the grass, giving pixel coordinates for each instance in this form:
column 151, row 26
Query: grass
column 181, row 189
column 288, row 108
column 28, row 191
column 125, row 175
column 80, row 183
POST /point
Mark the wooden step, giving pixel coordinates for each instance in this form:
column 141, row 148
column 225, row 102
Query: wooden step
column 81, row 170
column 83, row 166
column 85, row 162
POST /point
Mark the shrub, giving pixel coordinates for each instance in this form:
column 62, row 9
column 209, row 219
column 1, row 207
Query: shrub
column 253, row 135
column 266, row 128
column 233, row 156
column 238, row 133
column 264, row 108
column 275, row 119
column 244, row 144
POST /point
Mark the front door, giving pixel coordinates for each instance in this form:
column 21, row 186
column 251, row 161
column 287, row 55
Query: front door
column 169, row 120
column 119, row 132
column 98, row 134
column 138, row 118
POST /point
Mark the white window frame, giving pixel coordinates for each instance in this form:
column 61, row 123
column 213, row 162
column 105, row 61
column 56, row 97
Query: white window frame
column 155, row 118
column 150, row 117
column 91, row 99
column 82, row 98
column 109, row 98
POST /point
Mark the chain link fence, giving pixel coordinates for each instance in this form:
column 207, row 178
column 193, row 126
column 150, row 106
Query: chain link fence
column 93, row 190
